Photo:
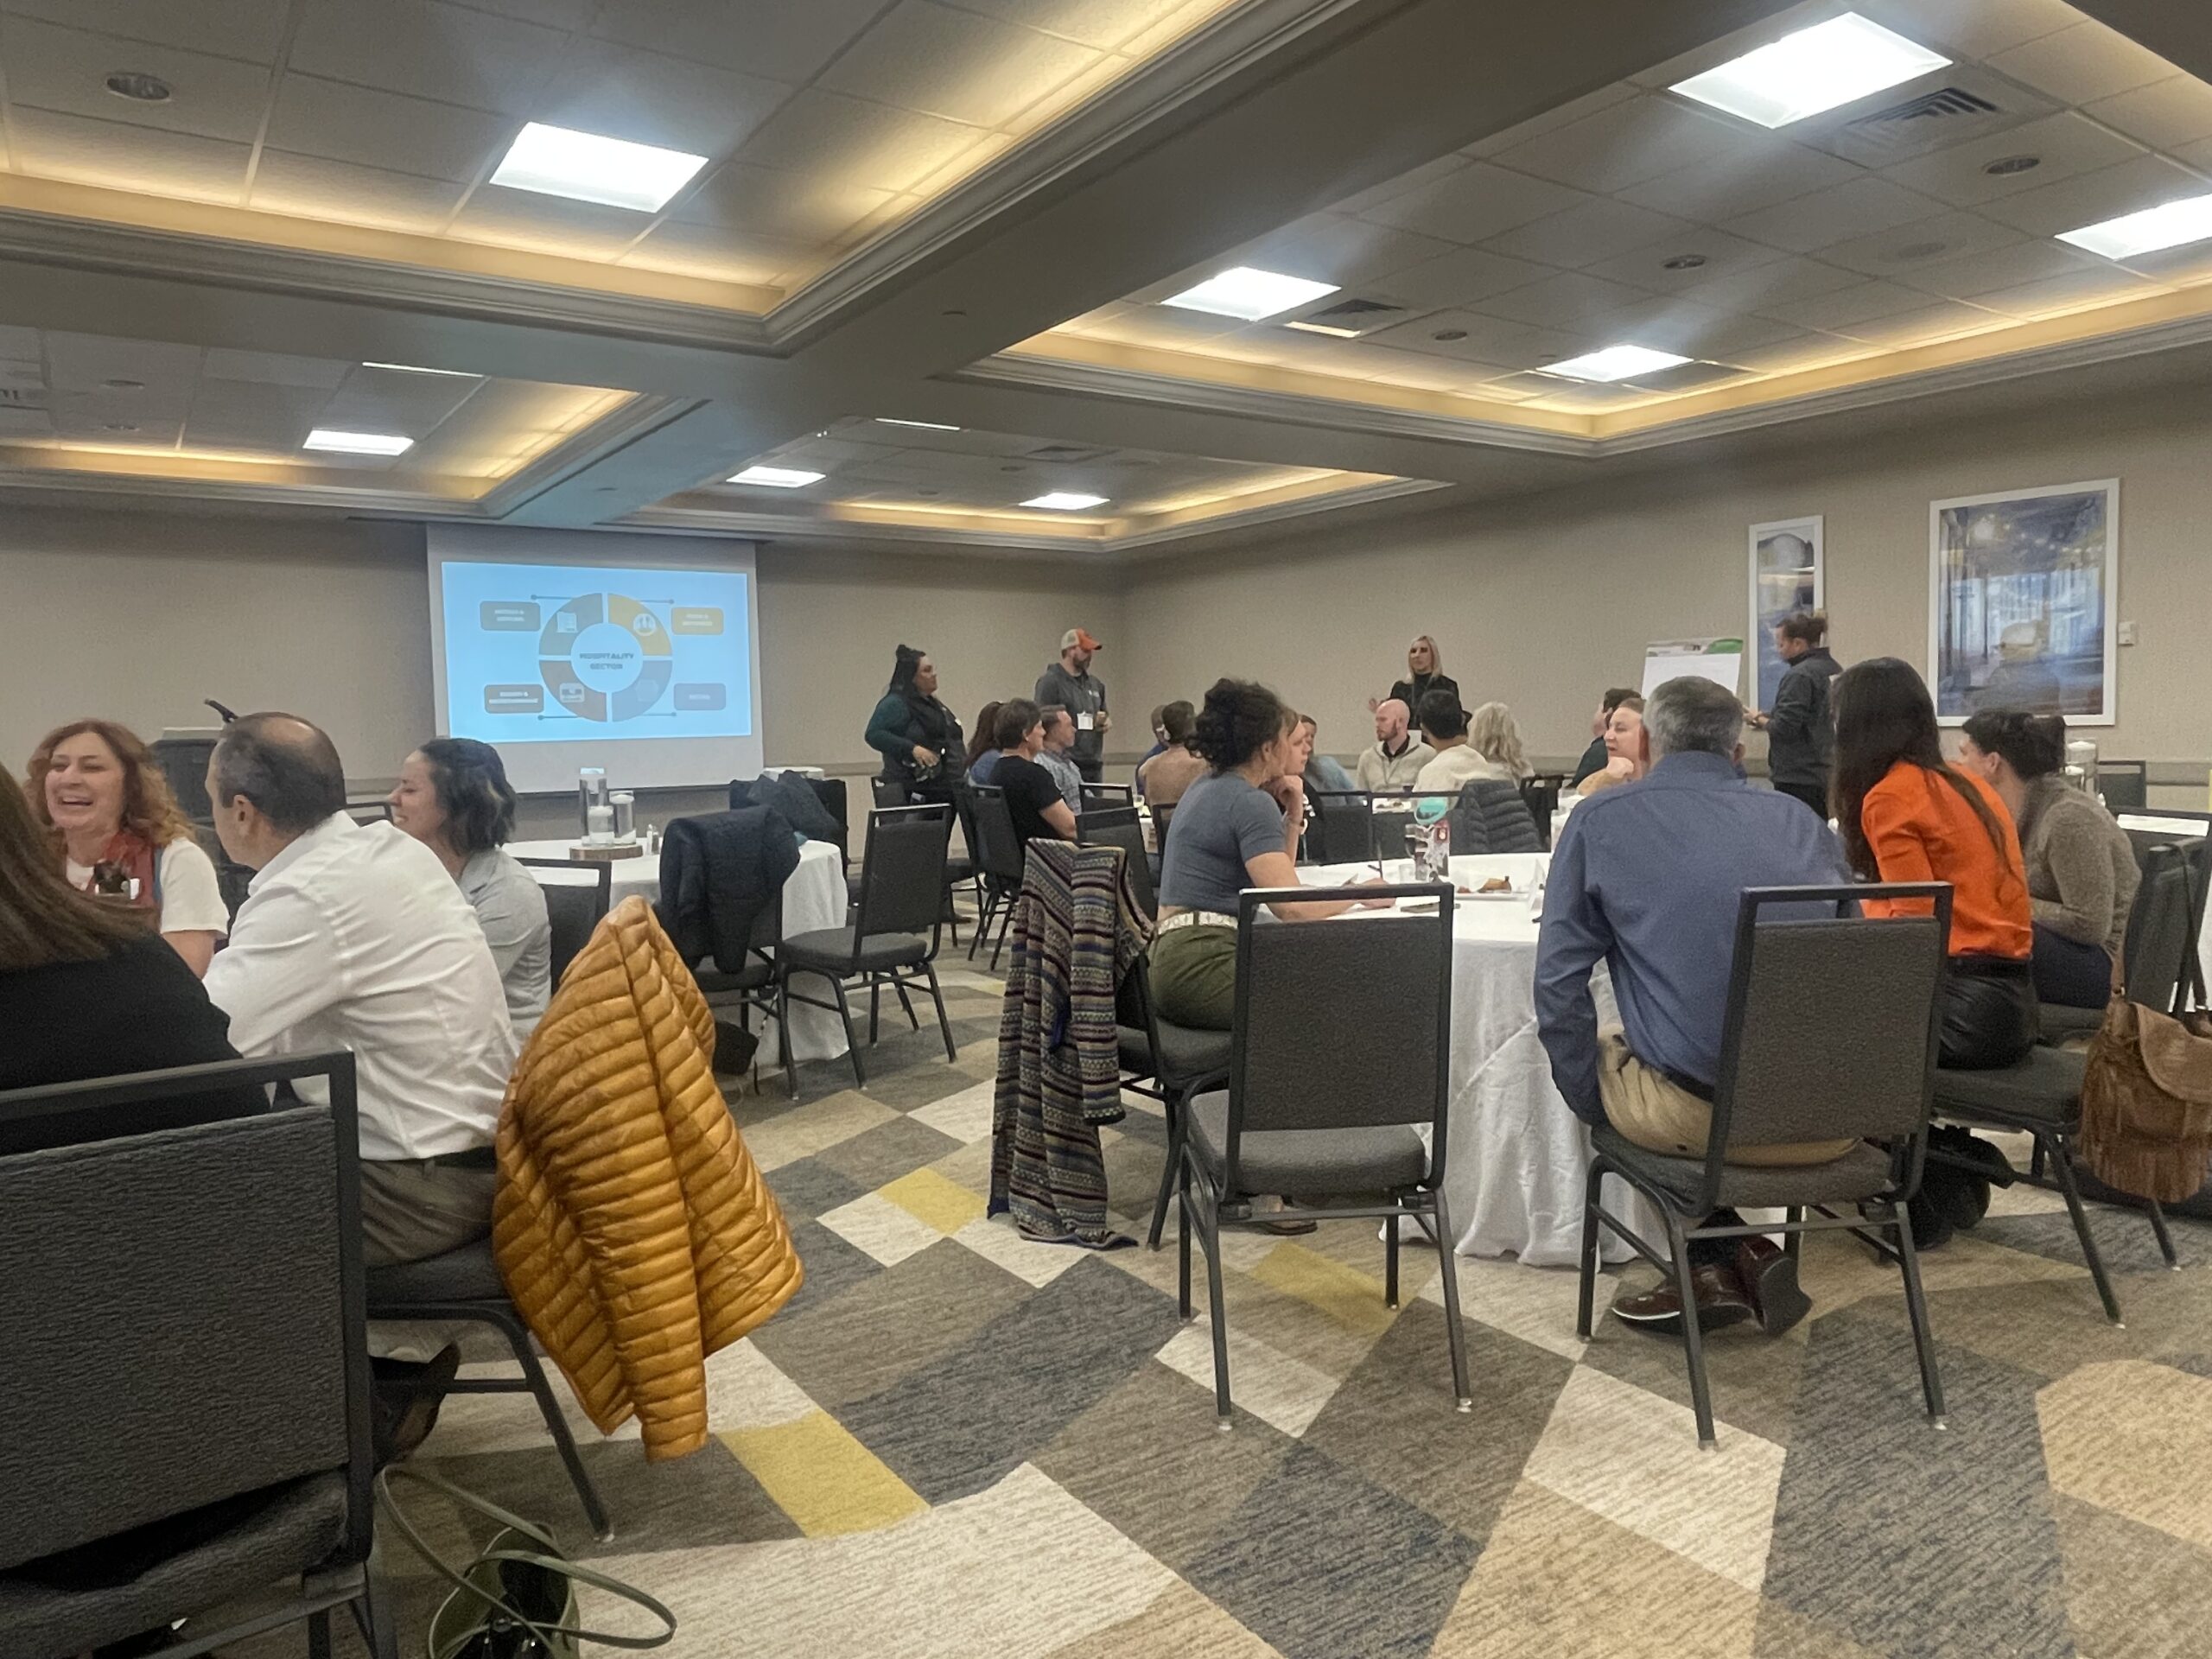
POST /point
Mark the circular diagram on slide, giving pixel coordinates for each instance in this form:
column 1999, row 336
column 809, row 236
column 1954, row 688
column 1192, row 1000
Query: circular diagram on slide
column 605, row 657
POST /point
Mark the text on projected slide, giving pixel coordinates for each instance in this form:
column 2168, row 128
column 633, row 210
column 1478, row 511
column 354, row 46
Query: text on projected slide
column 539, row 653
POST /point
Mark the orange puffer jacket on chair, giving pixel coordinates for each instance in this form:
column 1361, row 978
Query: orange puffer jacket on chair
column 632, row 1226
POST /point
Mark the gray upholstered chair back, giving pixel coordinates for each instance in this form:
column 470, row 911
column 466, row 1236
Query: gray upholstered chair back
column 2160, row 949
column 180, row 1313
column 1342, row 1024
column 1130, row 837
column 2126, row 784
column 902, row 879
column 1343, row 829
column 998, row 851
column 574, row 908
column 1830, row 1031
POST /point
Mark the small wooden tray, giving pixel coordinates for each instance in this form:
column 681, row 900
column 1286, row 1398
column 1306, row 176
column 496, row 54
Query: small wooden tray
column 602, row 852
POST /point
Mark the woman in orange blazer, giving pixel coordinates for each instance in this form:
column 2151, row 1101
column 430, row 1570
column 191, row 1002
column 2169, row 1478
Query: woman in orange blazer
column 1907, row 815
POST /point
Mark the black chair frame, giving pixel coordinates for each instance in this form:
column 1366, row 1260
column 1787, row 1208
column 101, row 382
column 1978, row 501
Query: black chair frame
column 1173, row 1093
column 1884, row 1213
column 1105, row 796
column 922, row 973
column 1206, row 1208
column 603, row 869
column 347, row 1580
column 1001, row 881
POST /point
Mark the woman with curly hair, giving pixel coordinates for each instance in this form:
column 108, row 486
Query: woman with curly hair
column 116, row 830
column 1237, row 827
column 1493, row 734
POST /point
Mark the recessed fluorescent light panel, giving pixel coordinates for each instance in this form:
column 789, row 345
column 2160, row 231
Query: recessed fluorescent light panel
column 777, row 478
column 2167, row 225
column 1614, row 363
column 357, row 443
column 926, row 426
column 1064, row 501
column 584, row 167
column 1328, row 328
column 409, row 368
column 1819, row 68
column 1249, row 293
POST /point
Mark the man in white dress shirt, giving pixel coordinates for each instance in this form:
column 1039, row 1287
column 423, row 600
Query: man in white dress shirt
column 353, row 936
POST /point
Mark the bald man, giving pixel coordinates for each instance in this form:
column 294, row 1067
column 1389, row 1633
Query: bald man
column 353, row 936
column 1395, row 760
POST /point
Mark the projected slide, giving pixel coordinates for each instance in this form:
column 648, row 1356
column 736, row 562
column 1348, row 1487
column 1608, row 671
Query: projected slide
column 539, row 653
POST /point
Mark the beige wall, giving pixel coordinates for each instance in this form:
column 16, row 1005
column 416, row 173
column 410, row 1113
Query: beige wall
column 1544, row 601
column 139, row 616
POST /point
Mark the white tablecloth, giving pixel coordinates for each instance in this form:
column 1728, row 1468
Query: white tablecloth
column 814, row 896
column 1519, row 1158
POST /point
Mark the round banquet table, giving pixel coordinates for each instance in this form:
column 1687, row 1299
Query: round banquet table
column 1519, row 1158
column 815, row 896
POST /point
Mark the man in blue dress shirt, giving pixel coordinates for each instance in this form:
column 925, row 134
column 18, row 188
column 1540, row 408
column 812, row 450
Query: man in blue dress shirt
column 1647, row 878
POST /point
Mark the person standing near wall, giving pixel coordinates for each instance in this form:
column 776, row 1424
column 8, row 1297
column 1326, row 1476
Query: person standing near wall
column 1800, row 727
column 1070, row 685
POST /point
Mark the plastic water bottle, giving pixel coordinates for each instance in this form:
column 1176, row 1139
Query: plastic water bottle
column 1433, row 813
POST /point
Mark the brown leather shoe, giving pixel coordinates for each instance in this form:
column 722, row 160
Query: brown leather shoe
column 1770, row 1279
column 1720, row 1301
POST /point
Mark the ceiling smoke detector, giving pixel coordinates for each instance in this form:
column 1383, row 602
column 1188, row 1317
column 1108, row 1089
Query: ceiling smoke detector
column 139, row 87
column 2005, row 166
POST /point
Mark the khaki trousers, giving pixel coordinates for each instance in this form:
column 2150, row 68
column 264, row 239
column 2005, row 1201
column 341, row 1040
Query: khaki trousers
column 1648, row 1107
column 415, row 1209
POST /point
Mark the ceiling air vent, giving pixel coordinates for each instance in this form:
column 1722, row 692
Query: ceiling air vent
column 1366, row 313
column 22, row 398
column 1961, row 104
column 1903, row 126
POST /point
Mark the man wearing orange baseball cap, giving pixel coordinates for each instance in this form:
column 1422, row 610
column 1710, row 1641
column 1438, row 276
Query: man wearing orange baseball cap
column 1070, row 684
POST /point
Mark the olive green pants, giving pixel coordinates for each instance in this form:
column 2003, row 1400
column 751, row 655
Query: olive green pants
column 1194, row 976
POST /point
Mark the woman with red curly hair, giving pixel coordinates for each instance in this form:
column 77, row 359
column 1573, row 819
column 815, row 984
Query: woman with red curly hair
column 117, row 829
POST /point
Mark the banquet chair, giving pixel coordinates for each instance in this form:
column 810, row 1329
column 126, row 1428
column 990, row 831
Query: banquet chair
column 2146, row 840
column 1342, row 828
column 753, row 986
column 1000, row 858
column 1539, row 794
column 1830, row 1034
column 1121, row 827
column 1161, row 814
column 893, row 939
column 1098, row 797
column 2158, row 931
column 1490, row 817
column 184, row 1326
column 890, row 793
column 1338, row 1058
column 2124, row 785
column 573, row 907
column 1168, row 1062
column 2041, row 1096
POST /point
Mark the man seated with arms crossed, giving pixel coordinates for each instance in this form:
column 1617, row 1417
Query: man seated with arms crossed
column 355, row 937
column 1647, row 877
column 1396, row 757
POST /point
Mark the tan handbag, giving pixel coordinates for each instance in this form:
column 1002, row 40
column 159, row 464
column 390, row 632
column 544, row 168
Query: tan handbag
column 2146, row 1102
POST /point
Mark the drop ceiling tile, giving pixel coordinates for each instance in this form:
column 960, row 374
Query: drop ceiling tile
column 1102, row 24
column 1797, row 352
column 383, row 400
column 1896, row 253
column 647, row 98
column 230, row 414
column 2066, row 145
column 2182, row 267
column 1688, row 377
column 1558, row 302
column 2082, row 64
column 1918, row 328
column 1488, row 340
column 773, row 38
column 251, row 30
column 1186, row 18
column 52, row 146
column 525, row 219
column 273, row 368
column 430, row 49
column 955, row 65
column 1624, row 144
column 81, row 362
column 1401, row 184
column 1461, row 277
column 1168, row 327
column 1673, row 324
column 2068, row 205
column 1846, row 306
column 554, row 14
column 19, row 344
column 1582, row 397
column 2077, row 291
column 1862, row 207
column 792, row 205
column 2166, row 115
column 17, row 424
column 65, row 69
column 307, row 187
column 1974, row 29
column 1720, row 254
column 1424, row 370
column 385, row 130
column 721, row 255
column 1760, row 172
column 2198, row 155
column 1597, row 230
column 857, row 145
column 1473, row 203
column 2029, row 261
column 1337, row 248
column 1075, row 90
column 1559, row 115
column 1782, row 279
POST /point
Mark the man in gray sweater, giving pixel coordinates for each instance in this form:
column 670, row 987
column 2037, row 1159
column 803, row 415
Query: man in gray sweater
column 1070, row 685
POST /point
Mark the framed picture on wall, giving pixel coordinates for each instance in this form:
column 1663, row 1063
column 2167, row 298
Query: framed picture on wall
column 2021, row 585
column 1786, row 576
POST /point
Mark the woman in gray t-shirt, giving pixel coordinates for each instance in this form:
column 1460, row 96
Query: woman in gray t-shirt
column 1234, row 828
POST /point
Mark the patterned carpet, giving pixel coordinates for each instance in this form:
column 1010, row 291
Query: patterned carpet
column 956, row 1443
